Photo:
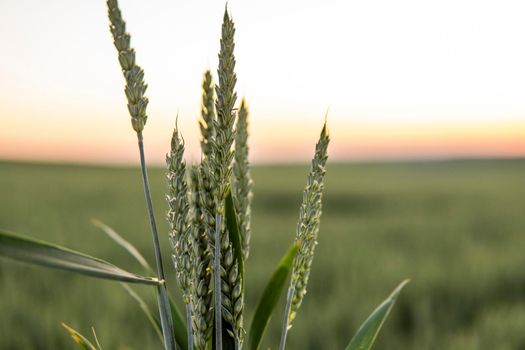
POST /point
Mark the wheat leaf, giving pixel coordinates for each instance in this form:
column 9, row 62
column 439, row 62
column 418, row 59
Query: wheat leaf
column 367, row 333
column 111, row 233
column 270, row 297
column 178, row 321
column 145, row 308
column 45, row 254
column 234, row 232
column 79, row 339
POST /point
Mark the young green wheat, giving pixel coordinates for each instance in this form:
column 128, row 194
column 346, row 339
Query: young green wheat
column 134, row 75
column 202, row 294
column 207, row 114
column 306, row 232
column 242, row 180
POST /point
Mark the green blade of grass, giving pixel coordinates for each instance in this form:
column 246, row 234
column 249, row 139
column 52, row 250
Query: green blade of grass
column 234, row 232
column 270, row 297
column 179, row 325
column 367, row 333
column 154, row 321
column 45, row 254
column 121, row 241
column 82, row 342
column 178, row 321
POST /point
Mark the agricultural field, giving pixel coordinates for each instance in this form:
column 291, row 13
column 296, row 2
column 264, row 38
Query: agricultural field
column 455, row 228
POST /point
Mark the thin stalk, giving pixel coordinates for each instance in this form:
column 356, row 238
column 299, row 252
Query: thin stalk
column 217, row 291
column 164, row 308
column 284, row 330
column 189, row 313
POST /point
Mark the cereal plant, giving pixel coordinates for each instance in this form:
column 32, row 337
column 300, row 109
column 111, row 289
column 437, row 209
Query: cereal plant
column 209, row 215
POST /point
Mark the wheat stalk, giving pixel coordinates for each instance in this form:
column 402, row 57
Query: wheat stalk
column 202, row 293
column 242, row 180
column 178, row 217
column 137, row 104
column 306, row 232
column 221, row 165
column 224, row 123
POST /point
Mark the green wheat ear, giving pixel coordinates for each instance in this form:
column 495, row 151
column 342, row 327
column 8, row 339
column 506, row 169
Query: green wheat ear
column 308, row 225
column 242, row 180
column 178, row 216
column 224, row 123
column 306, row 232
column 202, row 293
column 207, row 114
column 134, row 75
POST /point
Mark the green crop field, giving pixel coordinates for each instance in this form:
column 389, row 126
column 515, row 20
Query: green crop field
column 456, row 229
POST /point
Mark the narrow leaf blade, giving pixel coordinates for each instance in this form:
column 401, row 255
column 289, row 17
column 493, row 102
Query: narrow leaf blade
column 270, row 298
column 179, row 325
column 234, row 232
column 154, row 321
column 79, row 339
column 178, row 321
column 367, row 333
column 45, row 254
column 130, row 248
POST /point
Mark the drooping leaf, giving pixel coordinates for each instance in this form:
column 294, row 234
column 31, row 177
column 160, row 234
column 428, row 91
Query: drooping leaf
column 130, row 248
column 234, row 232
column 178, row 321
column 152, row 318
column 179, row 325
column 45, row 254
column 96, row 338
column 270, row 298
column 79, row 339
column 367, row 333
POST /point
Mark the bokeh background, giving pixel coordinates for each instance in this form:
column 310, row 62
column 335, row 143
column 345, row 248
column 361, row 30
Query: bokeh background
column 426, row 110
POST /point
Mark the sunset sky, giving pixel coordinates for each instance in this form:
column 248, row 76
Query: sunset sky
column 399, row 79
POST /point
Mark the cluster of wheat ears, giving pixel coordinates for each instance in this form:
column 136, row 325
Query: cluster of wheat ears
column 209, row 223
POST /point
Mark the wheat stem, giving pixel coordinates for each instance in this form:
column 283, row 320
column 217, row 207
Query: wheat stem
column 307, row 232
column 165, row 316
column 217, row 283
column 284, row 330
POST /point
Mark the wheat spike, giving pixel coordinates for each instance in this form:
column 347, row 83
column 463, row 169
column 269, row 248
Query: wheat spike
column 207, row 114
column 308, row 225
column 202, row 294
column 134, row 75
column 178, row 216
column 231, row 298
column 224, row 123
column 242, row 180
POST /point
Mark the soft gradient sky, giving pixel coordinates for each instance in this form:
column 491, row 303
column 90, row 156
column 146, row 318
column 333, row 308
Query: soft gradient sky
column 401, row 79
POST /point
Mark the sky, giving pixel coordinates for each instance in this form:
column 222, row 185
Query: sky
column 407, row 79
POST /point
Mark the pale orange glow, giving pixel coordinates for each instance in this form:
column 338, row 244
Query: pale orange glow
column 404, row 79
column 350, row 141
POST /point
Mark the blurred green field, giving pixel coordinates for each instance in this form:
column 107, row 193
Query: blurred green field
column 456, row 228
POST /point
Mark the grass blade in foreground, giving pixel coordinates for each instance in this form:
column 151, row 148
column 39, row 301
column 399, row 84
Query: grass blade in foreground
column 178, row 321
column 50, row 255
column 79, row 339
column 270, row 297
column 111, row 233
column 367, row 333
column 234, row 232
column 154, row 321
